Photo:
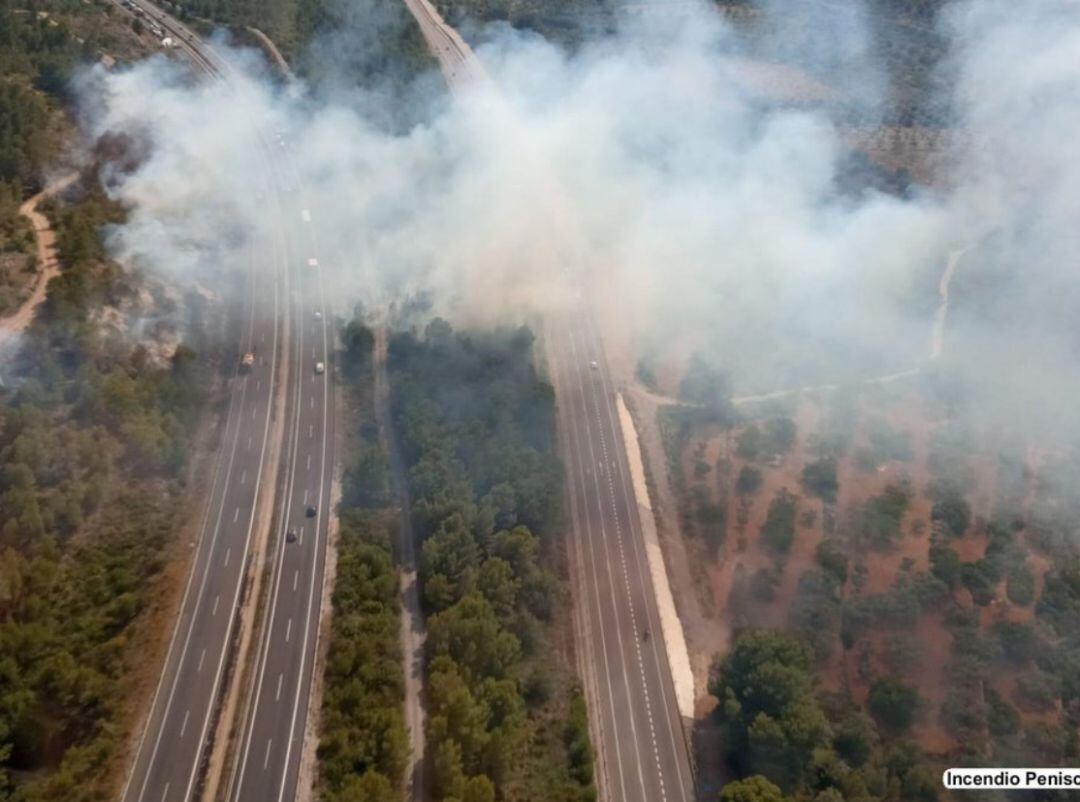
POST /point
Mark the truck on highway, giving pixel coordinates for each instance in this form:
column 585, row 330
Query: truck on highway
column 247, row 361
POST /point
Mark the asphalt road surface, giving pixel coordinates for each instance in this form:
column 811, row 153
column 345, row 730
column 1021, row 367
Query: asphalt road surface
column 174, row 745
column 455, row 58
column 643, row 751
column 267, row 766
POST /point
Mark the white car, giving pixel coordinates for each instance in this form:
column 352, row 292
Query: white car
column 320, row 368
column 594, row 365
column 318, row 315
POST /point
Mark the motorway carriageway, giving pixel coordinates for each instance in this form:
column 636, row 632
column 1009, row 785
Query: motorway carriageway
column 643, row 751
column 174, row 745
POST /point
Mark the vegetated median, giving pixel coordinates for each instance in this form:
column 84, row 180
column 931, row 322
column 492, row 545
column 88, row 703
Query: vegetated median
column 364, row 748
column 475, row 422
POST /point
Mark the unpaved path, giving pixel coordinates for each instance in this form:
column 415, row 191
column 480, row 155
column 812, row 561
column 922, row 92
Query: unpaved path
column 937, row 344
column 48, row 265
column 412, row 632
column 937, row 340
column 272, row 51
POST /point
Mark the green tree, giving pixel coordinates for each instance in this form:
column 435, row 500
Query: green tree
column 470, row 633
column 893, row 703
column 751, row 789
column 778, row 531
column 749, row 481
column 819, row 479
column 766, row 690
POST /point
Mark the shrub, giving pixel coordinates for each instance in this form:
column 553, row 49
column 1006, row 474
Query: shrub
column 778, row 532
column 819, row 479
column 749, row 481
column 893, row 704
column 951, row 509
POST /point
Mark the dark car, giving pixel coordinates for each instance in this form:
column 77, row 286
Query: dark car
column 311, row 512
column 290, row 535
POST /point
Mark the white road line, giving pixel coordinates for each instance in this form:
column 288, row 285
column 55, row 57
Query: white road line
column 618, row 539
column 243, row 478
column 165, row 793
column 590, row 540
column 295, row 579
column 309, row 462
column 216, row 600
column 228, row 552
column 266, row 760
column 201, row 658
column 236, row 515
column 305, row 495
column 277, row 696
column 641, row 565
column 183, row 726
column 247, row 539
column 288, row 630
column 311, row 430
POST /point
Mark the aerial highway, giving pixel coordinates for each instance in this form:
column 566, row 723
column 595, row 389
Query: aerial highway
column 643, row 751
column 286, row 327
column 643, row 754
column 266, row 766
column 173, row 744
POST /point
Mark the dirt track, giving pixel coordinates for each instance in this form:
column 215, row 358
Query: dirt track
column 48, row 265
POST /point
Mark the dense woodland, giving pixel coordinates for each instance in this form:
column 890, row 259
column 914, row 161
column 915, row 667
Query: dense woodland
column 95, row 434
column 476, row 425
column 95, row 431
column 364, row 747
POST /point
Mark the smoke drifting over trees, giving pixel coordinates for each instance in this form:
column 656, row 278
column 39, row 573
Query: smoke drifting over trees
column 654, row 163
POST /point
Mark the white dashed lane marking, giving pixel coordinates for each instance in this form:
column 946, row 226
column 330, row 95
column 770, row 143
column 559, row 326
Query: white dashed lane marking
column 607, row 460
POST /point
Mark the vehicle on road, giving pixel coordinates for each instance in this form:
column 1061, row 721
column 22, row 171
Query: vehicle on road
column 311, row 512
column 290, row 535
column 247, row 361
column 320, row 368
column 318, row 315
column 594, row 365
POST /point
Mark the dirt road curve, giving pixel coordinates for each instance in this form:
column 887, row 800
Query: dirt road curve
column 48, row 266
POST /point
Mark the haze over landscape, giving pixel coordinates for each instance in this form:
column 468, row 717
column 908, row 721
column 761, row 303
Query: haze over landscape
column 715, row 208
column 690, row 389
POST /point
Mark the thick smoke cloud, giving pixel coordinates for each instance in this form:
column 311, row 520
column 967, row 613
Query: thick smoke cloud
column 652, row 166
column 1015, row 338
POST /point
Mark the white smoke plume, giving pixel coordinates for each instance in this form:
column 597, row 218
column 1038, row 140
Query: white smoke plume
column 650, row 164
